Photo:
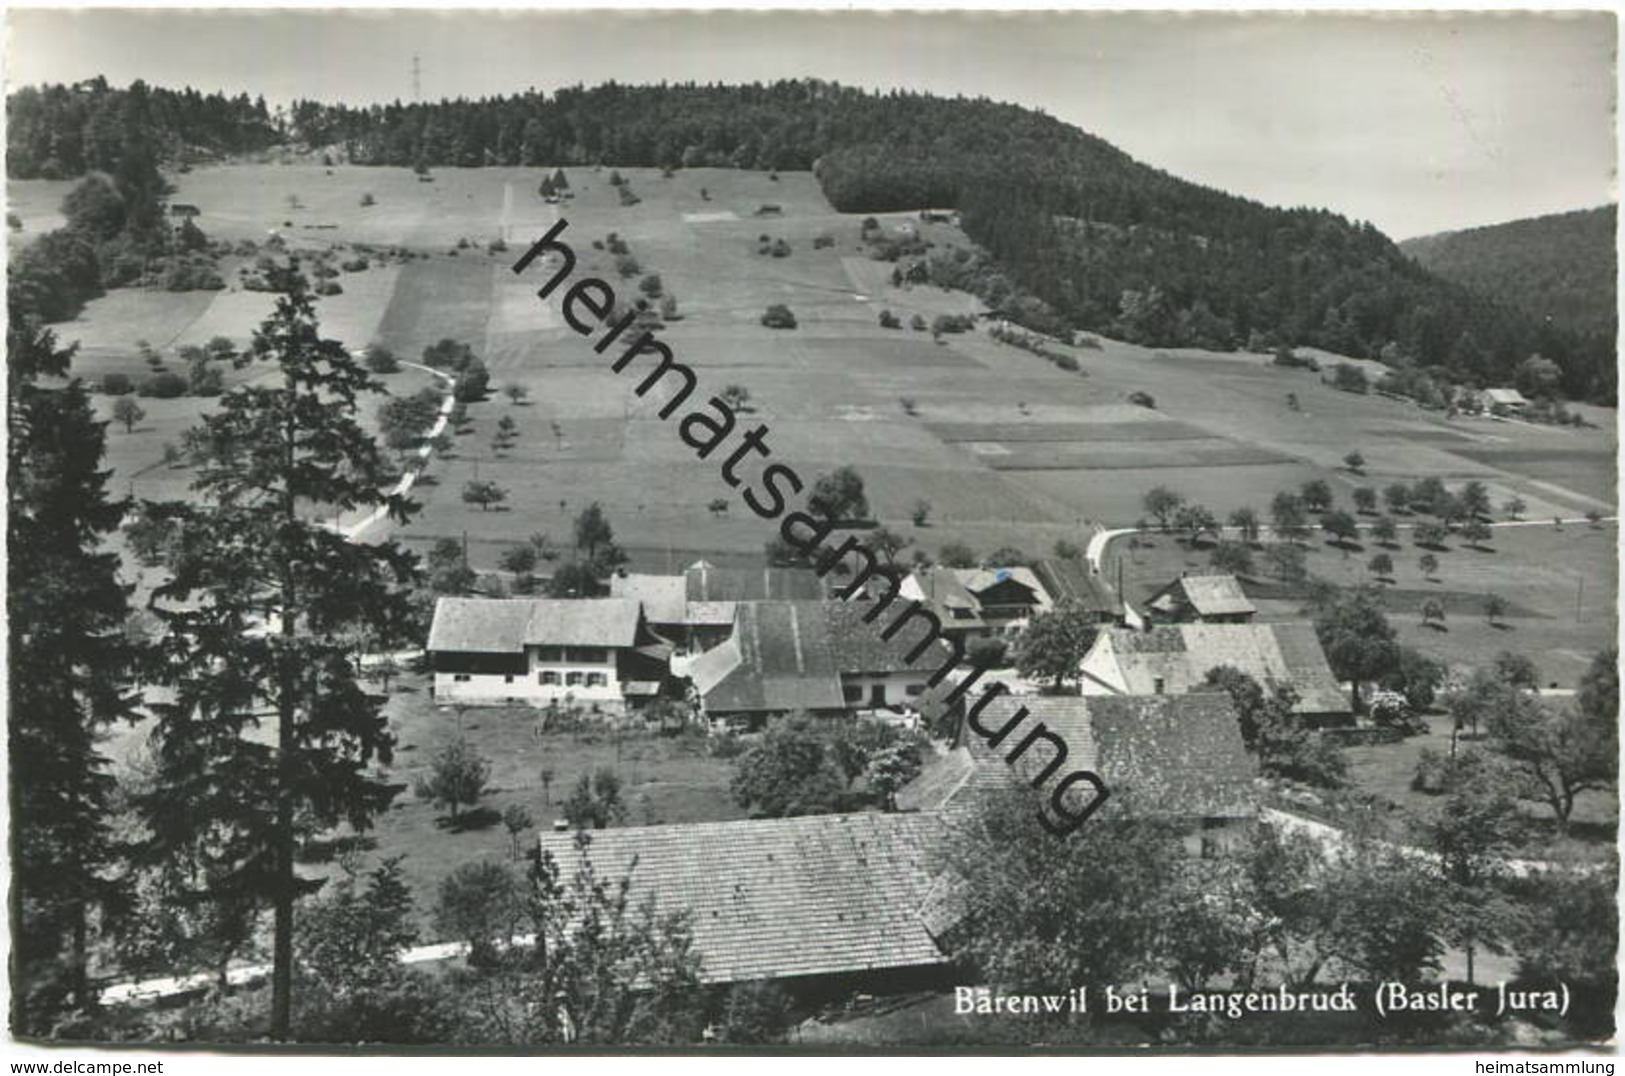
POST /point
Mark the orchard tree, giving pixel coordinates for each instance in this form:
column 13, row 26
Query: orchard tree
column 1245, row 523
column 790, row 771
column 1385, row 531
column 1355, row 462
column 1359, row 642
column 1365, row 500
column 1433, row 612
column 262, row 609
column 127, row 411
column 1344, row 531
column 457, row 777
column 839, row 495
column 1160, row 503
column 485, row 493
column 1381, row 565
column 1397, row 497
column 1194, row 521
column 1316, row 495
column 1054, row 643
column 1428, row 564
column 1236, row 558
column 1288, row 517
column 1515, row 507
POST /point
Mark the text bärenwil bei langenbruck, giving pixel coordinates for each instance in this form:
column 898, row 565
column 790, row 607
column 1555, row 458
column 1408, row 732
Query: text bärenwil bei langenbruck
column 706, row 426
column 1387, row 999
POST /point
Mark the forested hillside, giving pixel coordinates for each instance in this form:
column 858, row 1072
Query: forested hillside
column 1111, row 245
column 1561, row 267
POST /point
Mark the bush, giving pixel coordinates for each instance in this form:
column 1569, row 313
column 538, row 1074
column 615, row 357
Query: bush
column 381, row 360
column 952, row 323
column 888, row 320
column 165, row 386
column 822, row 241
column 778, row 316
column 988, row 653
column 329, row 287
column 1143, row 399
column 354, row 265
column 116, row 384
column 1350, row 378
column 1432, row 773
column 1285, row 356
column 781, row 249
column 727, row 745
column 367, row 199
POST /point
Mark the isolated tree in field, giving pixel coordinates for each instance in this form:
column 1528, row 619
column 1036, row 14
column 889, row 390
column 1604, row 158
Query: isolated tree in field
column 1475, row 498
column 1233, row 557
column 888, row 543
column 1515, row 507
column 1354, row 462
column 127, row 411
column 1054, row 643
column 516, row 819
column 1428, row 564
column 1316, row 495
column 1365, row 500
column 457, row 777
column 516, row 394
column 1430, row 535
column 1359, row 642
column 267, row 452
column 1288, row 517
column 1245, row 521
column 1476, row 532
column 1397, row 497
column 650, row 285
column 737, row 397
column 1594, row 518
column 1428, row 495
column 1495, row 607
column 888, row 320
column 718, row 506
column 839, row 495
column 1381, row 566
column 1343, row 529
column 485, row 493
column 1385, row 531
column 1432, row 612
column 1160, row 503
column 778, row 316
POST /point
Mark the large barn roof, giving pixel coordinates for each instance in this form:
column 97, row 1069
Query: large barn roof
column 784, row 897
column 1180, row 655
column 508, row 625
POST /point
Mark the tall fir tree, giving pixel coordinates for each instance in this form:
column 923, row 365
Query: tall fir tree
column 69, row 664
column 263, row 608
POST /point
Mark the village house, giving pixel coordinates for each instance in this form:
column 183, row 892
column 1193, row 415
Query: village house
column 939, row 590
column 1071, row 581
column 695, row 611
column 1174, row 659
column 1177, row 758
column 1204, row 599
column 1503, row 401
column 539, row 650
column 1005, row 597
column 819, row 657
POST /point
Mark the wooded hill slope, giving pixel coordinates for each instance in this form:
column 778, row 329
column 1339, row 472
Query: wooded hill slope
column 1107, row 243
column 1561, row 266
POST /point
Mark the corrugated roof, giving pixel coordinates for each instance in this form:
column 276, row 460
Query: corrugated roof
column 774, row 898
column 507, row 625
column 664, row 597
column 1180, row 655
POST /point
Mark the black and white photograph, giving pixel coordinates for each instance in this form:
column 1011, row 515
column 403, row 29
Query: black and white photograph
column 543, row 531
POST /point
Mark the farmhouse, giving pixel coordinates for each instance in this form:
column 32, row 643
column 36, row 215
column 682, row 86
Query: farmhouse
column 1069, row 580
column 1179, row 758
column 940, row 591
column 1005, row 597
column 695, row 611
column 1174, row 659
column 814, row 656
column 498, row 650
column 1503, row 400
column 1205, row 599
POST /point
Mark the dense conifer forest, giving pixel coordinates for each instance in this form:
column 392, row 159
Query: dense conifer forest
column 1109, row 244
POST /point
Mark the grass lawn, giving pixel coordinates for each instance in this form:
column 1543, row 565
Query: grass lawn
column 664, row 779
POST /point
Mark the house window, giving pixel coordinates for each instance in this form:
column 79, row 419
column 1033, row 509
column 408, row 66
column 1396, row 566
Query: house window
column 547, row 678
column 914, row 689
column 596, row 679
column 461, row 678
column 877, row 694
column 1158, row 686
column 572, row 679
column 550, row 653
column 852, row 693
column 508, row 679
column 591, row 655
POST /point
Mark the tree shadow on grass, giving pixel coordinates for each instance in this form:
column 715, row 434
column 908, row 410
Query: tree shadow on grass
column 478, row 818
column 327, row 850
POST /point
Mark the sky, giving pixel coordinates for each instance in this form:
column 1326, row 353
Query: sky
column 1418, row 123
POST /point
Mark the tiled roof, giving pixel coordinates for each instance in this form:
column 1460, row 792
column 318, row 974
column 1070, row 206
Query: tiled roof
column 480, row 625
column 859, row 647
column 937, row 586
column 664, row 597
column 1070, row 579
column 1180, row 655
column 708, row 583
column 774, row 898
column 976, row 580
column 1175, row 756
column 506, row 625
column 1215, row 595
